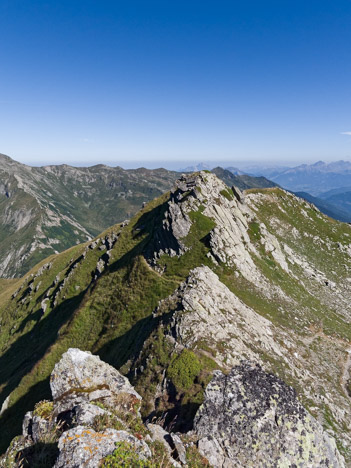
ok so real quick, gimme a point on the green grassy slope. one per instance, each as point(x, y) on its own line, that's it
point(64, 302)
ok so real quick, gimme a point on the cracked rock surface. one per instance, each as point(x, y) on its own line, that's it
point(252, 418)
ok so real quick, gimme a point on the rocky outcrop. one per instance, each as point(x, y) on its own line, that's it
point(81, 377)
point(229, 240)
point(248, 417)
point(94, 412)
point(206, 312)
point(252, 418)
point(82, 446)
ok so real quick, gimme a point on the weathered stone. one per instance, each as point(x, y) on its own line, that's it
point(83, 377)
point(86, 413)
point(83, 446)
point(250, 417)
point(159, 434)
point(40, 427)
point(172, 443)
point(26, 424)
point(179, 448)
point(238, 194)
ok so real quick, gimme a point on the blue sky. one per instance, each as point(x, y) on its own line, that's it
point(177, 82)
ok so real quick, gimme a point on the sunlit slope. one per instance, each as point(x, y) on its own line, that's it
point(45, 210)
point(267, 273)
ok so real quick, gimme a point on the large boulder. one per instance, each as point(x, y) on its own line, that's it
point(83, 377)
point(252, 418)
point(94, 412)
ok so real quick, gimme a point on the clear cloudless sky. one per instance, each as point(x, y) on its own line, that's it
point(92, 81)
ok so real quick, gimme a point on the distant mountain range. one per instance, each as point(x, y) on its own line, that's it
point(313, 178)
point(45, 210)
point(326, 185)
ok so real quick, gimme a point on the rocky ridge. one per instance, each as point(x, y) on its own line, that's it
point(209, 316)
point(45, 210)
point(259, 276)
point(247, 416)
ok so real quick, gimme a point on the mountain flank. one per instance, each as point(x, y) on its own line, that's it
point(207, 287)
point(45, 210)
point(330, 209)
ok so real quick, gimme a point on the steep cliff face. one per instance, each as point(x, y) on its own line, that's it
point(199, 280)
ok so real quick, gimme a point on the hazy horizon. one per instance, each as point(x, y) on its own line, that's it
point(177, 164)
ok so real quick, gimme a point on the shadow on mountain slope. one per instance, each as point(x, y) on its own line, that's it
point(23, 355)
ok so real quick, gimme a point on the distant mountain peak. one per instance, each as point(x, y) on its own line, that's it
point(196, 168)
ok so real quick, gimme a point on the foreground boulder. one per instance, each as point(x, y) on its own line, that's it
point(80, 376)
point(93, 420)
point(250, 417)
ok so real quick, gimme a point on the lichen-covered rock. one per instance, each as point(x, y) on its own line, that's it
point(83, 446)
point(86, 413)
point(39, 427)
point(252, 418)
point(248, 418)
point(81, 376)
point(9, 459)
point(72, 432)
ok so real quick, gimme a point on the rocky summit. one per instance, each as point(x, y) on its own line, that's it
point(223, 317)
